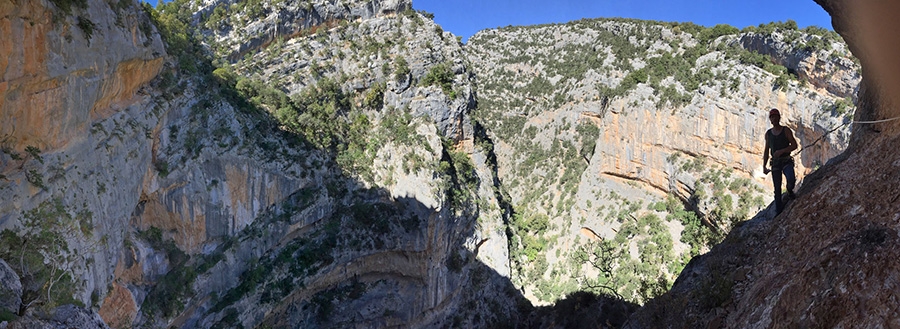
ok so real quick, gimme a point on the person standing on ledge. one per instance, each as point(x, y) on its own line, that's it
point(780, 142)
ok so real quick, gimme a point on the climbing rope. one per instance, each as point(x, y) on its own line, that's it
point(876, 121)
point(839, 127)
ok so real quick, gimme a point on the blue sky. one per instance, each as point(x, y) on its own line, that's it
point(465, 17)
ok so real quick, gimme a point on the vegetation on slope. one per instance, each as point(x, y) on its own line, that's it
point(322, 108)
point(527, 72)
point(331, 105)
point(41, 256)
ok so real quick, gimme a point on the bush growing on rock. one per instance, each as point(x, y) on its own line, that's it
point(41, 256)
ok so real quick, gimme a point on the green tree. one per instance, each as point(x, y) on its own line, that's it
point(707, 35)
point(375, 96)
point(440, 75)
point(401, 70)
point(41, 257)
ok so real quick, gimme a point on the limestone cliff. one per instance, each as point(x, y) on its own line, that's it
point(76, 135)
point(349, 163)
point(282, 221)
point(828, 260)
point(588, 107)
point(239, 28)
point(185, 201)
point(59, 73)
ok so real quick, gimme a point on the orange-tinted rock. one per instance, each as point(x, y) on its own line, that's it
point(869, 27)
point(118, 89)
point(188, 227)
point(830, 259)
point(119, 308)
point(590, 234)
point(128, 269)
point(49, 93)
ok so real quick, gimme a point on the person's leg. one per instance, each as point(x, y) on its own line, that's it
point(790, 179)
point(776, 181)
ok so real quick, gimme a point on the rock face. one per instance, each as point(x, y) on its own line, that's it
point(869, 40)
point(11, 293)
point(119, 307)
point(583, 107)
point(74, 126)
point(349, 163)
point(253, 206)
point(260, 24)
point(838, 74)
point(56, 78)
point(68, 316)
point(834, 245)
point(160, 187)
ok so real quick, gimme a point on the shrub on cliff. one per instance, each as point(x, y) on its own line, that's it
point(42, 258)
point(66, 5)
point(401, 69)
point(440, 75)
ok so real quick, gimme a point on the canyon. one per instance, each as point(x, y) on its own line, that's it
point(224, 164)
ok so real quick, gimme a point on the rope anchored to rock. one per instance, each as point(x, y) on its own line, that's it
point(842, 125)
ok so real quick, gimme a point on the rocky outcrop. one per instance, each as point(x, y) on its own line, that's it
point(11, 291)
point(271, 21)
point(68, 316)
point(865, 29)
point(56, 78)
point(837, 74)
point(119, 307)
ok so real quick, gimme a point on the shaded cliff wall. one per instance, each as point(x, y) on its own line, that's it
point(249, 201)
point(867, 27)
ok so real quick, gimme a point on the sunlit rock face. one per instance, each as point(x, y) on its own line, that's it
point(292, 19)
point(837, 75)
point(591, 109)
point(180, 196)
point(74, 122)
point(829, 260)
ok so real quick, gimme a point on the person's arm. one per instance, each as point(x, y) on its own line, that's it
point(792, 143)
point(766, 153)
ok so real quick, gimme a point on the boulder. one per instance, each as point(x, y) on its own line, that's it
point(10, 288)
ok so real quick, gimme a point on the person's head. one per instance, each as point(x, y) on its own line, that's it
point(775, 117)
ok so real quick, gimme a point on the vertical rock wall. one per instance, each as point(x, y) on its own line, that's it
point(75, 125)
point(56, 78)
point(867, 27)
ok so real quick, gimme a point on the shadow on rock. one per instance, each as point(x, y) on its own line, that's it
point(582, 309)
